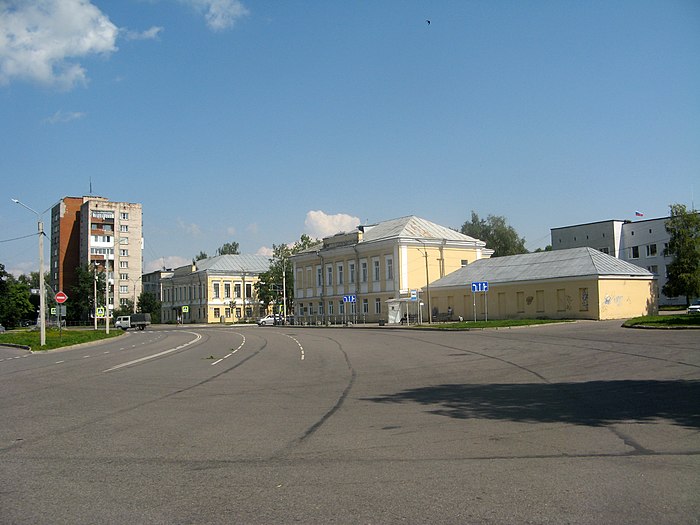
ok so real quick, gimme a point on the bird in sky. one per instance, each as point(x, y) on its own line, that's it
point(428, 21)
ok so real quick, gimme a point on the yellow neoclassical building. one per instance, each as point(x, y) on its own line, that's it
point(374, 273)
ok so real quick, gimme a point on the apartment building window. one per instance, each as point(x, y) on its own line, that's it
point(123, 264)
point(124, 216)
point(227, 292)
point(123, 289)
point(351, 271)
point(653, 269)
point(340, 274)
point(634, 252)
point(651, 250)
point(389, 269)
point(123, 227)
point(216, 291)
point(375, 273)
point(363, 271)
point(377, 306)
point(124, 276)
point(123, 253)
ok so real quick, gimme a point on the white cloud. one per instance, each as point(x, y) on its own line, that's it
point(264, 250)
point(149, 34)
point(40, 40)
point(319, 224)
point(219, 14)
point(231, 231)
point(171, 262)
point(191, 228)
point(64, 116)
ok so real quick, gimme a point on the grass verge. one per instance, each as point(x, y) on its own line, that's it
point(500, 323)
point(54, 338)
point(664, 321)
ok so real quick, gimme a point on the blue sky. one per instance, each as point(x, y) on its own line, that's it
point(256, 122)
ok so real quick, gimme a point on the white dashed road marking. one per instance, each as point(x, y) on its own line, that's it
point(165, 352)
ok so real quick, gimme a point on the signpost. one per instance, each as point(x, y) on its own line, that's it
point(481, 286)
point(61, 298)
point(352, 299)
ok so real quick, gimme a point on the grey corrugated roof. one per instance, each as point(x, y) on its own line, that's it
point(413, 226)
point(235, 263)
point(575, 262)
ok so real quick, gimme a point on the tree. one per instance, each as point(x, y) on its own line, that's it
point(126, 308)
point(496, 233)
point(547, 248)
point(14, 300)
point(269, 285)
point(148, 303)
point(683, 273)
point(202, 255)
point(81, 297)
point(229, 248)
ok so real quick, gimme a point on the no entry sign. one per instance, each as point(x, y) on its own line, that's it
point(61, 298)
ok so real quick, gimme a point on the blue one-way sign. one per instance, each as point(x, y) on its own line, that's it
point(349, 298)
point(480, 286)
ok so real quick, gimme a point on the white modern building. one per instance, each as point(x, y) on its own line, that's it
point(642, 242)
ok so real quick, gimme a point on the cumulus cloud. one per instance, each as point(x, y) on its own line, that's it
point(264, 250)
point(149, 34)
point(171, 262)
point(64, 116)
point(219, 14)
point(42, 40)
point(319, 224)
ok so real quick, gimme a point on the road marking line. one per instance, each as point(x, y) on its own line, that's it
point(230, 353)
point(59, 362)
point(165, 352)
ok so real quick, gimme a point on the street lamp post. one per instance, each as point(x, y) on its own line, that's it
point(42, 289)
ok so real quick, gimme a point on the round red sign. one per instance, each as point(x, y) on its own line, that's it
point(61, 298)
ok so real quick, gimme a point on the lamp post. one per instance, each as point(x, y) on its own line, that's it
point(427, 280)
point(42, 289)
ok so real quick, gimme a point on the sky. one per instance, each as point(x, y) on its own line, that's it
point(257, 122)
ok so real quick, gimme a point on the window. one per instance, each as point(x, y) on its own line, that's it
point(583, 299)
point(217, 312)
point(237, 291)
point(464, 262)
point(653, 269)
point(375, 274)
point(124, 216)
point(329, 271)
point(351, 271)
point(340, 274)
point(248, 291)
point(123, 227)
point(123, 253)
point(634, 252)
point(377, 306)
point(651, 250)
point(227, 312)
point(363, 271)
point(124, 276)
point(216, 292)
point(330, 307)
point(341, 307)
point(319, 277)
point(389, 269)
point(123, 264)
point(365, 306)
point(123, 289)
point(320, 308)
point(605, 250)
point(227, 292)
point(238, 312)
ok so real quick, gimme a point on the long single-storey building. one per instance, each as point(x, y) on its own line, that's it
point(579, 283)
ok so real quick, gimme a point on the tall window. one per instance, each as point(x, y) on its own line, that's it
point(216, 292)
point(651, 250)
point(377, 306)
point(124, 216)
point(363, 271)
point(635, 252)
point(375, 273)
point(123, 227)
point(340, 274)
point(351, 271)
point(389, 269)
point(248, 291)
point(365, 306)
point(237, 291)
point(329, 280)
point(227, 292)
point(319, 277)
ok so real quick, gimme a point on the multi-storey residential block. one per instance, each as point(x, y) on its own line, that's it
point(213, 290)
point(642, 243)
point(362, 274)
point(107, 235)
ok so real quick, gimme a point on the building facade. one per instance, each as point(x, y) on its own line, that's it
point(351, 276)
point(104, 234)
point(576, 283)
point(642, 243)
point(215, 290)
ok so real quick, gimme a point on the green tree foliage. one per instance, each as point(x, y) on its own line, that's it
point(269, 286)
point(547, 248)
point(229, 248)
point(202, 255)
point(81, 297)
point(496, 233)
point(127, 308)
point(14, 300)
point(148, 303)
point(683, 227)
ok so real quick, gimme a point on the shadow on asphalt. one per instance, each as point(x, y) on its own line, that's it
point(593, 403)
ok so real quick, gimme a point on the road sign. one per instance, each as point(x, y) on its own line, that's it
point(350, 298)
point(480, 286)
point(61, 298)
point(414, 295)
point(185, 309)
point(100, 312)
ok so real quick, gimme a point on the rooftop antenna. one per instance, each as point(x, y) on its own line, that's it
point(90, 186)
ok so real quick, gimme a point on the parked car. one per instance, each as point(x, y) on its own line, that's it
point(2, 329)
point(270, 320)
point(694, 308)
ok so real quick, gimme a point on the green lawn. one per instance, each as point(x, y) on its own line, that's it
point(664, 321)
point(54, 337)
point(501, 323)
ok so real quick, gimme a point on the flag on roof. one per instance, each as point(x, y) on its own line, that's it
point(638, 214)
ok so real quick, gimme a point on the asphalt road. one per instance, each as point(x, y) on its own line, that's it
point(575, 423)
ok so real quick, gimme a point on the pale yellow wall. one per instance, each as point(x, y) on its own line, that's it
point(607, 299)
point(622, 299)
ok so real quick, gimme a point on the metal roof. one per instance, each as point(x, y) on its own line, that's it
point(412, 226)
point(575, 262)
point(235, 263)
